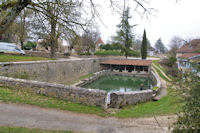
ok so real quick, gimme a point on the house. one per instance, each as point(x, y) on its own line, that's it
point(44, 46)
point(151, 51)
point(188, 53)
point(98, 43)
point(192, 47)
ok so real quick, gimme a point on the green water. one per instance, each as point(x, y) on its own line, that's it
point(120, 83)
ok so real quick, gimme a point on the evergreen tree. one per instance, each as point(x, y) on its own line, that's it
point(159, 46)
point(144, 46)
point(124, 34)
point(148, 44)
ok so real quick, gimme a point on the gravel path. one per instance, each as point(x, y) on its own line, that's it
point(35, 117)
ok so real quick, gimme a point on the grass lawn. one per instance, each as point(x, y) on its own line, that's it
point(155, 62)
point(7, 129)
point(164, 106)
point(20, 96)
point(17, 58)
point(161, 75)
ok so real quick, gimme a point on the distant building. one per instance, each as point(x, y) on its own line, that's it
point(188, 53)
point(192, 47)
point(43, 45)
point(98, 43)
point(151, 51)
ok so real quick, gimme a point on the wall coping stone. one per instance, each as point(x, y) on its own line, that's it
point(132, 92)
point(47, 84)
point(47, 61)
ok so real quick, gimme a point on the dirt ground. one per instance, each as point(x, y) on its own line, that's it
point(35, 117)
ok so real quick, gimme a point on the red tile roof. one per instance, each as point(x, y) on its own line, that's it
point(188, 55)
point(128, 62)
point(195, 42)
point(99, 41)
point(190, 48)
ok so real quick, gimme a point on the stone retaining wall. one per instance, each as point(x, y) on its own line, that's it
point(121, 99)
point(44, 54)
point(54, 71)
point(69, 93)
point(156, 81)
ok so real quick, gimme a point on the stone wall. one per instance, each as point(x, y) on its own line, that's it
point(69, 93)
point(44, 54)
point(56, 71)
point(155, 78)
point(121, 99)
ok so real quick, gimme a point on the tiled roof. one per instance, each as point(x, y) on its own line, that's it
point(195, 42)
point(190, 48)
point(152, 49)
point(99, 41)
point(188, 55)
point(128, 62)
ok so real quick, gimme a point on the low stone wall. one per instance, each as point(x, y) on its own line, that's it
point(44, 54)
point(54, 71)
point(121, 99)
point(69, 93)
point(156, 81)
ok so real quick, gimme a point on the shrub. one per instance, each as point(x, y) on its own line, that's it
point(106, 47)
point(133, 53)
point(87, 53)
point(171, 61)
point(66, 54)
point(113, 46)
point(30, 45)
point(108, 52)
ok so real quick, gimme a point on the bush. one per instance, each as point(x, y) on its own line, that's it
point(113, 46)
point(30, 45)
point(106, 47)
point(189, 117)
point(170, 66)
point(66, 54)
point(171, 61)
point(133, 53)
point(108, 52)
point(87, 53)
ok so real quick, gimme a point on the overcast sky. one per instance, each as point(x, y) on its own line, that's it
point(180, 19)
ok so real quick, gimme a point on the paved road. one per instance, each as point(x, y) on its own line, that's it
point(35, 117)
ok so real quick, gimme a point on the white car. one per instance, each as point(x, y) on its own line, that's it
point(10, 48)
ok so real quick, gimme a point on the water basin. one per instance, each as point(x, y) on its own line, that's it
point(120, 83)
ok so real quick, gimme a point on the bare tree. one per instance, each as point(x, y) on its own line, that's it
point(23, 25)
point(57, 19)
point(13, 8)
point(59, 14)
point(9, 10)
point(175, 43)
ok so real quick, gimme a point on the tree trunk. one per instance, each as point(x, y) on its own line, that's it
point(52, 37)
point(22, 44)
point(12, 14)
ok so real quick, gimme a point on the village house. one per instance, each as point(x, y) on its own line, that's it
point(98, 43)
point(188, 53)
point(151, 51)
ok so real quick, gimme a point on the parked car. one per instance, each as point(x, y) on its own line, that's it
point(10, 48)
